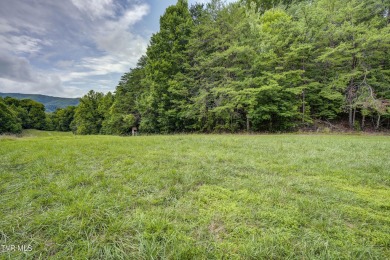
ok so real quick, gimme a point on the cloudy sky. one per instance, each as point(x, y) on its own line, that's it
point(67, 47)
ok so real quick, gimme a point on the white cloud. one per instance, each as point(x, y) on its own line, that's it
point(95, 8)
point(65, 47)
point(115, 37)
point(48, 85)
point(98, 66)
point(120, 46)
point(5, 27)
point(26, 16)
point(16, 75)
point(22, 44)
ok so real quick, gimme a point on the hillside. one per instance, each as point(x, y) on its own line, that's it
point(50, 103)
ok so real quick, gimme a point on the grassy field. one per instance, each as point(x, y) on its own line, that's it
point(195, 197)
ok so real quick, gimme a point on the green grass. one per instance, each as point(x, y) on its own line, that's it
point(196, 197)
point(37, 133)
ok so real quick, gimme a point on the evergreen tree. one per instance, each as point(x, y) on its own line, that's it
point(166, 61)
point(124, 112)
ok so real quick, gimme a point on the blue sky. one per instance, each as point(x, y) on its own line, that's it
point(65, 48)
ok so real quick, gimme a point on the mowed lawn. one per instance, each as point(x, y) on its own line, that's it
point(196, 197)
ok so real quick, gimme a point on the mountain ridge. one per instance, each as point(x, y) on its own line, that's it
point(51, 103)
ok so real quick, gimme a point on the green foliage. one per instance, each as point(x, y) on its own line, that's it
point(31, 113)
point(9, 121)
point(264, 5)
point(62, 118)
point(90, 113)
point(259, 65)
point(166, 62)
point(119, 124)
point(126, 102)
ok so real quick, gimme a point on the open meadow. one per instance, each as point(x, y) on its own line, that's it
point(195, 196)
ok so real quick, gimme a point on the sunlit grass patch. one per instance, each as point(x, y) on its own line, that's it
point(38, 133)
point(196, 196)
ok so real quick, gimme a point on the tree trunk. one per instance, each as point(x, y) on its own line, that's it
point(378, 122)
point(247, 124)
point(354, 117)
point(363, 120)
point(303, 106)
point(350, 118)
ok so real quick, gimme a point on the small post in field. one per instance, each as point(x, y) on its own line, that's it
point(134, 131)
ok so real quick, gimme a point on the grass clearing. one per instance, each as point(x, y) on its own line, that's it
point(38, 133)
point(196, 196)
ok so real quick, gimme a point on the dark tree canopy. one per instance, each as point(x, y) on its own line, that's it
point(26, 112)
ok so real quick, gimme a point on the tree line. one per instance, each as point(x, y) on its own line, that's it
point(253, 65)
point(264, 65)
point(16, 115)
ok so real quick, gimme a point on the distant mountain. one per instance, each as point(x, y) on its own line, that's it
point(51, 103)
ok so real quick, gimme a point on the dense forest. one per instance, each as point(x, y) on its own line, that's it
point(254, 65)
point(16, 115)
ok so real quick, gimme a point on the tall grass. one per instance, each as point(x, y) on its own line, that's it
point(196, 197)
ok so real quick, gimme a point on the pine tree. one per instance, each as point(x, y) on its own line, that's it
point(166, 60)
